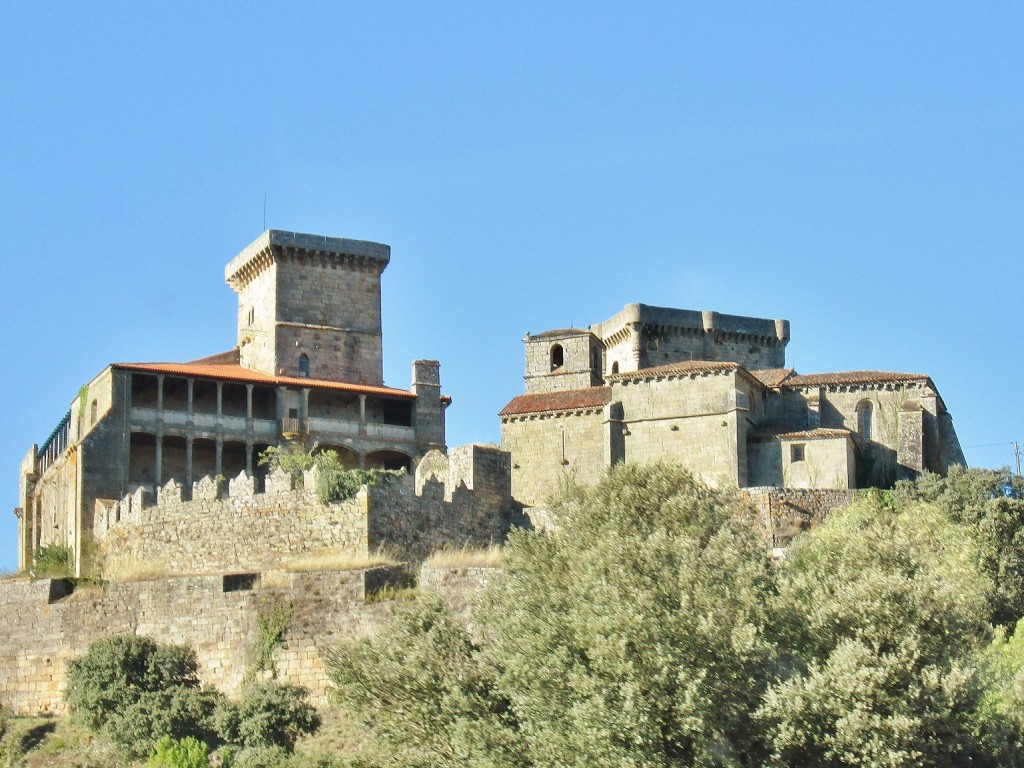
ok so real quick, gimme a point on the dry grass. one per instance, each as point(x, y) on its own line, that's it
point(390, 594)
point(335, 560)
point(276, 579)
point(467, 557)
point(87, 589)
point(135, 570)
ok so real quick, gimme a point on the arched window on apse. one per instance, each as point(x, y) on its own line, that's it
point(304, 365)
point(864, 420)
point(557, 357)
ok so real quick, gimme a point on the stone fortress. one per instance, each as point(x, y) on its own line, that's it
point(713, 392)
point(158, 463)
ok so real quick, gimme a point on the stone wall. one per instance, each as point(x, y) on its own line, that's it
point(692, 421)
point(241, 531)
point(455, 500)
point(551, 447)
point(45, 626)
point(785, 512)
point(458, 587)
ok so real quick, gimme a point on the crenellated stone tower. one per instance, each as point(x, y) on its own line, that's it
point(309, 306)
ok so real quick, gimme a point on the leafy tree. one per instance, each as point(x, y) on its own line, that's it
point(1001, 715)
point(990, 503)
point(420, 689)
point(886, 612)
point(641, 633)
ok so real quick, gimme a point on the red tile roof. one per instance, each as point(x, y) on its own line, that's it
point(561, 332)
point(672, 369)
point(772, 377)
point(569, 400)
point(851, 377)
point(232, 372)
point(231, 356)
point(820, 433)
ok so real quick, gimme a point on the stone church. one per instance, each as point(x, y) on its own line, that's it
point(712, 392)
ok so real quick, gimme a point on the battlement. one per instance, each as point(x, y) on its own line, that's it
point(278, 244)
point(460, 499)
point(701, 321)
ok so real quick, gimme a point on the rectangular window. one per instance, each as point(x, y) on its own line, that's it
point(796, 452)
point(240, 582)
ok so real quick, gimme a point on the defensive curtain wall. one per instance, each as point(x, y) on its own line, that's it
point(455, 500)
point(47, 624)
point(219, 614)
point(240, 544)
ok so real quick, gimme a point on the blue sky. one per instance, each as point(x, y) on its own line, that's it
point(855, 168)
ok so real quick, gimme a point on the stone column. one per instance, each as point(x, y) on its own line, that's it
point(187, 489)
point(158, 473)
point(248, 429)
point(304, 412)
point(189, 437)
point(218, 450)
point(362, 419)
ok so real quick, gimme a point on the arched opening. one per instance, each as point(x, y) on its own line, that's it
point(142, 460)
point(349, 458)
point(174, 459)
point(232, 458)
point(388, 460)
point(615, 367)
point(557, 357)
point(864, 420)
point(204, 458)
point(93, 412)
point(304, 365)
point(260, 471)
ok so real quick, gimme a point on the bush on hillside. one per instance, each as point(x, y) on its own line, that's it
point(134, 691)
point(268, 714)
point(989, 504)
point(183, 753)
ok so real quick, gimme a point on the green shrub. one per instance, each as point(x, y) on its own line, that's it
point(54, 561)
point(134, 691)
point(172, 753)
point(272, 619)
point(3, 721)
point(256, 757)
point(291, 458)
point(268, 714)
point(335, 483)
